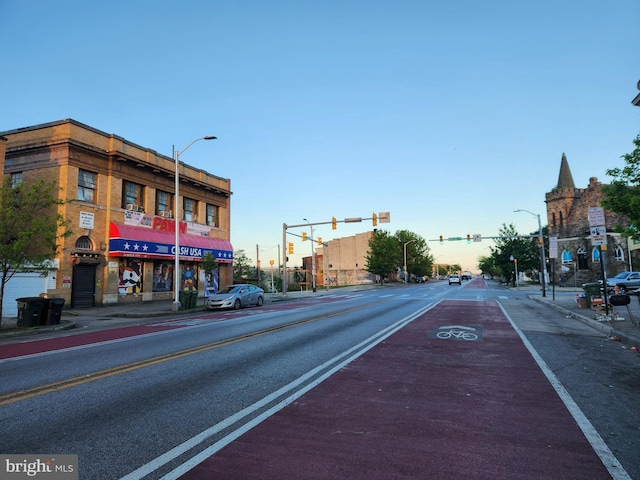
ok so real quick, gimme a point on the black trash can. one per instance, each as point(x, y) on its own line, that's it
point(32, 311)
point(55, 311)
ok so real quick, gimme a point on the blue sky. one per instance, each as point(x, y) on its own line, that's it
point(449, 114)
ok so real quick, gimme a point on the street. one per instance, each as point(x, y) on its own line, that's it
point(157, 399)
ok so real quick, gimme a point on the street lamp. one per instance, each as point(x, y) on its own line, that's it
point(176, 268)
point(543, 260)
point(405, 259)
point(313, 258)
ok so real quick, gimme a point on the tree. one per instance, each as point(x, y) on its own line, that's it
point(524, 250)
point(623, 194)
point(242, 269)
point(384, 252)
point(419, 259)
point(30, 227)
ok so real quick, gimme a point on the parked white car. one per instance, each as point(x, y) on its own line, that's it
point(455, 278)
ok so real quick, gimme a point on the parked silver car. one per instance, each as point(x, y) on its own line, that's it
point(236, 296)
point(625, 281)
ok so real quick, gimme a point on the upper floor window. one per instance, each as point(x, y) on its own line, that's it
point(87, 186)
point(213, 215)
point(190, 211)
point(164, 203)
point(132, 195)
point(16, 179)
point(566, 256)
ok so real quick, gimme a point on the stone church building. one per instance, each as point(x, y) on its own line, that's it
point(579, 261)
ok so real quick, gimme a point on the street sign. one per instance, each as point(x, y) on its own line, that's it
point(384, 217)
point(553, 247)
point(598, 235)
point(596, 217)
point(477, 237)
point(451, 239)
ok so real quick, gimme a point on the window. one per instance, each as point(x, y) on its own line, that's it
point(16, 179)
point(164, 203)
point(189, 207)
point(132, 194)
point(619, 254)
point(595, 255)
point(212, 215)
point(83, 243)
point(566, 256)
point(86, 186)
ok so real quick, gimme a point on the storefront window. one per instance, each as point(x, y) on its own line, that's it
point(189, 278)
point(162, 276)
point(130, 277)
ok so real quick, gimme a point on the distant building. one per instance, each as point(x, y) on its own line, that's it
point(120, 198)
point(342, 262)
point(567, 216)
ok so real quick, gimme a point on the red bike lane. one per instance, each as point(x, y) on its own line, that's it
point(453, 394)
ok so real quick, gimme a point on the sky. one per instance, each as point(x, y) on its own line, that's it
point(449, 114)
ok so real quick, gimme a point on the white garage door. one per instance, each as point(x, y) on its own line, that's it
point(21, 285)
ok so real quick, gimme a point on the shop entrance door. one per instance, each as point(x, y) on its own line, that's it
point(83, 286)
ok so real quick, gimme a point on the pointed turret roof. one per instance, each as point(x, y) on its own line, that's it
point(565, 179)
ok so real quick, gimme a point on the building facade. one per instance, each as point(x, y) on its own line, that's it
point(119, 198)
point(579, 260)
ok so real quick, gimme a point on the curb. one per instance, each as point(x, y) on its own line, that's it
point(600, 326)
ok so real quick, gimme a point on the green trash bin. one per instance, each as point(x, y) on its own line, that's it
point(194, 298)
point(183, 298)
point(591, 290)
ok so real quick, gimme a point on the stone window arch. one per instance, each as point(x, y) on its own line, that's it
point(84, 243)
point(566, 256)
point(619, 254)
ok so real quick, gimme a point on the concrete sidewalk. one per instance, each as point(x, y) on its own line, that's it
point(622, 322)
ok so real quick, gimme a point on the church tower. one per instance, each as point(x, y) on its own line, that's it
point(560, 201)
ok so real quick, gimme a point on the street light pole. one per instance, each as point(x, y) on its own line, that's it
point(176, 267)
point(405, 260)
point(543, 259)
point(313, 258)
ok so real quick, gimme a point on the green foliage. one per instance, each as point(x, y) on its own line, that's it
point(386, 253)
point(209, 264)
point(525, 250)
point(242, 269)
point(30, 227)
point(623, 194)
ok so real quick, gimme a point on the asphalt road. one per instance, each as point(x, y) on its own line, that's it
point(140, 401)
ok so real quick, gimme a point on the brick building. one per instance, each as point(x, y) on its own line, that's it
point(567, 216)
point(120, 198)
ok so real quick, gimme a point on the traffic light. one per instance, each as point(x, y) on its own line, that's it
point(468, 238)
point(540, 241)
point(319, 240)
point(304, 236)
point(375, 220)
point(333, 223)
point(290, 248)
point(441, 239)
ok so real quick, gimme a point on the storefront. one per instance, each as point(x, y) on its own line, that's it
point(145, 252)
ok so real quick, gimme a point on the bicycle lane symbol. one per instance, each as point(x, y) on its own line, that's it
point(457, 332)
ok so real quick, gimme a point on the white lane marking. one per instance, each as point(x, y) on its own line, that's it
point(607, 457)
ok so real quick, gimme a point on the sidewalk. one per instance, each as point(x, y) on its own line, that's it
point(563, 299)
point(71, 317)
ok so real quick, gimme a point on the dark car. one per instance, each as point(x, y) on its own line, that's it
point(236, 296)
